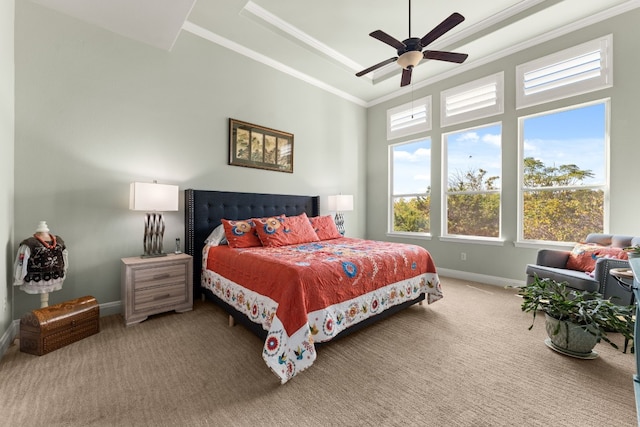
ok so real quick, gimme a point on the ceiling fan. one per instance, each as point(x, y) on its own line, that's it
point(410, 50)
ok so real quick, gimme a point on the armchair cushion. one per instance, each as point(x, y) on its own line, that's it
point(575, 279)
point(584, 255)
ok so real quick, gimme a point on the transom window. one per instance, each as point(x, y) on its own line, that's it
point(580, 69)
point(409, 119)
point(474, 100)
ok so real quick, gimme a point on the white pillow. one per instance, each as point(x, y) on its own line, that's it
point(217, 237)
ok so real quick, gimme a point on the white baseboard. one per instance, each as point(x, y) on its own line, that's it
point(109, 308)
point(480, 278)
point(7, 338)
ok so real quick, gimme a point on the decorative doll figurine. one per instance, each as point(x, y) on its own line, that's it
point(41, 264)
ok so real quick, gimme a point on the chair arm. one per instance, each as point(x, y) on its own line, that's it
point(552, 258)
point(608, 285)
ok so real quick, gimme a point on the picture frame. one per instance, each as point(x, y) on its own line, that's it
point(260, 147)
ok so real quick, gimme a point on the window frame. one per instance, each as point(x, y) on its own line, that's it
point(605, 187)
point(446, 236)
point(391, 196)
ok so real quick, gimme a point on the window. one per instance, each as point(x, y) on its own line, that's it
point(410, 187)
point(477, 99)
point(563, 173)
point(580, 69)
point(473, 168)
point(409, 119)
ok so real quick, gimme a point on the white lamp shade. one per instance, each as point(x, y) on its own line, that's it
point(153, 197)
point(340, 203)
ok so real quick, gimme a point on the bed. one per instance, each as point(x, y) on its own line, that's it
point(297, 295)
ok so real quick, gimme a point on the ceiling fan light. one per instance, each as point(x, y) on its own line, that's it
point(410, 59)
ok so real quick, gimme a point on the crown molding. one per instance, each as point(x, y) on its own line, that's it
point(238, 48)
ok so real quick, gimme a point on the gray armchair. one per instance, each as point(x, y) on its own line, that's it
point(551, 263)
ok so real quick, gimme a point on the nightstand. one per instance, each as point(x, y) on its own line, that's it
point(156, 285)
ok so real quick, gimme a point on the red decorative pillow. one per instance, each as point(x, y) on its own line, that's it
point(241, 233)
point(325, 227)
point(290, 230)
point(584, 255)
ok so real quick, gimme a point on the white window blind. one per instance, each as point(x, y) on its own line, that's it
point(580, 69)
point(477, 99)
point(409, 118)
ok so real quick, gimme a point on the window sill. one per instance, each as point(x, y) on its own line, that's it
point(409, 235)
point(539, 244)
point(473, 240)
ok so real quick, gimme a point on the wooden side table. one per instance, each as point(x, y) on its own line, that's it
point(156, 285)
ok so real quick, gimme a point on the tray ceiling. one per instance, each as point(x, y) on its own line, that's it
point(326, 42)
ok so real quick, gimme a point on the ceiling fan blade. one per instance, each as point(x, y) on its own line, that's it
point(375, 67)
point(386, 38)
point(458, 58)
point(446, 25)
point(406, 76)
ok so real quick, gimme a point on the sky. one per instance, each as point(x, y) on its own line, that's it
point(569, 137)
point(566, 137)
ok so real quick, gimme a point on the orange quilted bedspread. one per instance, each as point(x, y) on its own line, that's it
point(308, 277)
point(309, 292)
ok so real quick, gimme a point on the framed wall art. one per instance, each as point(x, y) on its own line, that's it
point(259, 147)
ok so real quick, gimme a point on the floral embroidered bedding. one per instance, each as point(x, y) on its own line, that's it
point(309, 292)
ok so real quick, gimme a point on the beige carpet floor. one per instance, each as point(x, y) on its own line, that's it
point(467, 360)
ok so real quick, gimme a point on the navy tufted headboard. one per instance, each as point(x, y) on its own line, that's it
point(204, 209)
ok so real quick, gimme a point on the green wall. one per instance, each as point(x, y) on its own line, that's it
point(505, 264)
point(7, 114)
point(96, 111)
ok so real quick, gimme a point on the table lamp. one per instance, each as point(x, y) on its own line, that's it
point(338, 204)
point(154, 199)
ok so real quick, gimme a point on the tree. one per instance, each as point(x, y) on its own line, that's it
point(555, 208)
point(412, 214)
point(555, 212)
point(473, 206)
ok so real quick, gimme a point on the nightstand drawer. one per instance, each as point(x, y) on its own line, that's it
point(159, 296)
point(159, 275)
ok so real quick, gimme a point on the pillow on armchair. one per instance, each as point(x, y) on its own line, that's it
point(584, 255)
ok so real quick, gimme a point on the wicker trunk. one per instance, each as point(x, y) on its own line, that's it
point(50, 328)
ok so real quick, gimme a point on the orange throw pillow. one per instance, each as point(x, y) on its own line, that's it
point(584, 255)
point(241, 233)
point(325, 227)
point(290, 230)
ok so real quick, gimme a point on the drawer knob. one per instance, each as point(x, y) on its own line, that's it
point(157, 297)
point(162, 276)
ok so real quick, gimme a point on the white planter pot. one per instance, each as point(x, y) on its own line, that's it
point(570, 339)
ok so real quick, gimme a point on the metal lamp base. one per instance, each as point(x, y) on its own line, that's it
point(153, 235)
point(339, 220)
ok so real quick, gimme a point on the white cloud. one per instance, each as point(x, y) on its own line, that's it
point(493, 139)
point(468, 136)
point(417, 156)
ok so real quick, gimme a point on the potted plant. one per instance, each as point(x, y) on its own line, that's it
point(575, 321)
